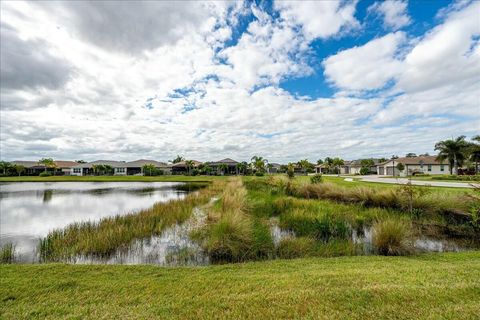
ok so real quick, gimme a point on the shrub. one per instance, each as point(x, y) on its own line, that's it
point(316, 179)
point(290, 173)
point(259, 174)
point(391, 237)
point(45, 174)
point(364, 171)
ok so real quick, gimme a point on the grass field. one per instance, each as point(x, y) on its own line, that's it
point(435, 286)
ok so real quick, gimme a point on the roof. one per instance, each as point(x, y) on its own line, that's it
point(31, 164)
point(226, 161)
point(142, 162)
point(417, 160)
point(182, 164)
point(112, 163)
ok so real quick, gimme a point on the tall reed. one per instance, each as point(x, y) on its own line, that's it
point(7, 253)
point(104, 237)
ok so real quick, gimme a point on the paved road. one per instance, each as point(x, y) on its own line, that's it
point(417, 182)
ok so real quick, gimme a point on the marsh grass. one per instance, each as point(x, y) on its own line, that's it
point(392, 237)
point(7, 253)
point(104, 237)
point(232, 234)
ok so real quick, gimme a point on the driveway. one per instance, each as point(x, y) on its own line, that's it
point(432, 183)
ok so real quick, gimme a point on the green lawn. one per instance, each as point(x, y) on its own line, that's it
point(434, 286)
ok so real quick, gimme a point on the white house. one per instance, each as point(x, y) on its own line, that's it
point(413, 165)
point(120, 168)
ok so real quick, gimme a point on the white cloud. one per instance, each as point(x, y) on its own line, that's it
point(394, 13)
point(210, 101)
point(318, 19)
point(366, 67)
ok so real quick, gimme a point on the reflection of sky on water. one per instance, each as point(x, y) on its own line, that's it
point(31, 210)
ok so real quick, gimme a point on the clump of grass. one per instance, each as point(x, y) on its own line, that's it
point(320, 226)
point(7, 253)
point(231, 234)
point(391, 237)
point(104, 237)
point(290, 248)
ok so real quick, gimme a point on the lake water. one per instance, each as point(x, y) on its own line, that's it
point(29, 210)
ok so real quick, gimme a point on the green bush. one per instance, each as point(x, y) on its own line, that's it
point(259, 174)
point(316, 178)
point(45, 174)
point(364, 171)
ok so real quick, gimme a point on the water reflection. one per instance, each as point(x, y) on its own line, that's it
point(30, 210)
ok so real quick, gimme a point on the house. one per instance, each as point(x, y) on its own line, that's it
point(354, 167)
point(274, 167)
point(182, 168)
point(413, 165)
point(136, 167)
point(89, 168)
point(230, 166)
point(34, 168)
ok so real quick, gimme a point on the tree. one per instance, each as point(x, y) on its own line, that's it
point(400, 166)
point(107, 169)
point(290, 170)
point(189, 164)
point(80, 161)
point(258, 163)
point(319, 162)
point(178, 159)
point(48, 163)
point(242, 167)
point(304, 165)
point(411, 155)
point(4, 166)
point(223, 168)
point(148, 169)
point(452, 150)
point(337, 162)
point(19, 169)
point(474, 152)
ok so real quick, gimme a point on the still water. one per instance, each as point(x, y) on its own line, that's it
point(28, 211)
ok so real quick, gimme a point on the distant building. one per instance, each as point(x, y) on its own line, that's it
point(413, 165)
point(182, 168)
point(34, 168)
point(120, 168)
point(231, 166)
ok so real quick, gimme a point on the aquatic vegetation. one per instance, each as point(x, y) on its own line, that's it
point(391, 237)
point(104, 237)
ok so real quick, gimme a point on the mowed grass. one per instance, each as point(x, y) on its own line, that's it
point(435, 286)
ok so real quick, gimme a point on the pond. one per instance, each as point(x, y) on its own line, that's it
point(30, 210)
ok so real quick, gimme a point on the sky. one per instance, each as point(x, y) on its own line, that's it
point(209, 80)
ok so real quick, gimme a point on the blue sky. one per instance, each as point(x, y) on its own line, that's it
point(209, 80)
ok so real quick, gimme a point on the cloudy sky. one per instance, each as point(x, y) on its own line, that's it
point(209, 80)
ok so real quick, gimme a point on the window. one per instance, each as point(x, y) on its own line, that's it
point(442, 167)
point(429, 167)
point(120, 170)
point(77, 170)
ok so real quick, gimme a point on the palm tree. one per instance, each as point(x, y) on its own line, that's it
point(259, 163)
point(223, 168)
point(48, 163)
point(337, 162)
point(452, 150)
point(189, 164)
point(95, 168)
point(475, 152)
point(304, 164)
point(107, 169)
point(4, 166)
point(242, 167)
